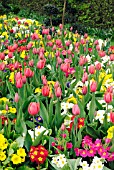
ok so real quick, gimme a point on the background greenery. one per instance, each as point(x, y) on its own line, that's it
point(93, 16)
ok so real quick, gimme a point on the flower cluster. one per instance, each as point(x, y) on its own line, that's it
point(38, 154)
point(90, 149)
point(59, 160)
point(97, 164)
point(19, 157)
point(3, 147)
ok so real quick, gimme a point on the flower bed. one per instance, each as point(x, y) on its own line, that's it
point(56, 98)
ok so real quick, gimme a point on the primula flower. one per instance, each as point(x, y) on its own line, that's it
point(16, 159)
point(38, 154)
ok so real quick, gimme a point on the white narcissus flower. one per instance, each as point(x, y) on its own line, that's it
point(38, 130)
point(48, 66)
point(84, 164)
point(59, 160)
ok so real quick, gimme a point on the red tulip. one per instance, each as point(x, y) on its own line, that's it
point(34, 108)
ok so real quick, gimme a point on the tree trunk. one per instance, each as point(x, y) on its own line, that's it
point(64, 8)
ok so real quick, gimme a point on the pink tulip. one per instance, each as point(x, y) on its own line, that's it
point(16, 65)
point(98, 66)
point(28, 72)
point(45, 90)
point(63, 127)
point(41, 64)
point(84, 90)
point(44, 80)
point(102, 53)
point(61, 26)
point(16, 98)
point(98, 48)
point(10, 54)
point(67, 43)
point(76, 109)
point(65, 67)
point(49, 37)
point(111, 57)
point(2, 66)
point(34, 108)
point(24, 79)
point(31, 63)
point(57, 54)
point(82, 60)
point(18, 75)
point(85, 77)
point(29, 46)
point(58, 42)
point(58, 92)
point(19, 83)
point(108, 97)
point(96, 42)
point(93, 86)
point(2, 56)
point(112, 117)
point(91, 69)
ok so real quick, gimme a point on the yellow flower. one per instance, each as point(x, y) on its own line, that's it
point(16, 159)
point(21, 152)
point(4, 99)
point(51, 83)
point(37, 90)
point(11, 78)
point(12, 110)
point(3, 142)
point(2, 156)
point(4, 112)
point(5, 35)
point(110, 132)
point(72, 100)
point(23, 54)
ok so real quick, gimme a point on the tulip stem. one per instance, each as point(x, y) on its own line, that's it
point(34, 126)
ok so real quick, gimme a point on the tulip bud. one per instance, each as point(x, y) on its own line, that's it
point(84, 90)
point(93, 86)
point(19, 83)
point(76, 109)
point(63, 127)
point(34, 108)
point(16, 98)
point(45, 90)
point(112, 117)
point(91, 69)
point(2, 56)
point(58, 92)
point(2, 66)
point(40, 64)
point(108, 97)
point(10, 54)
